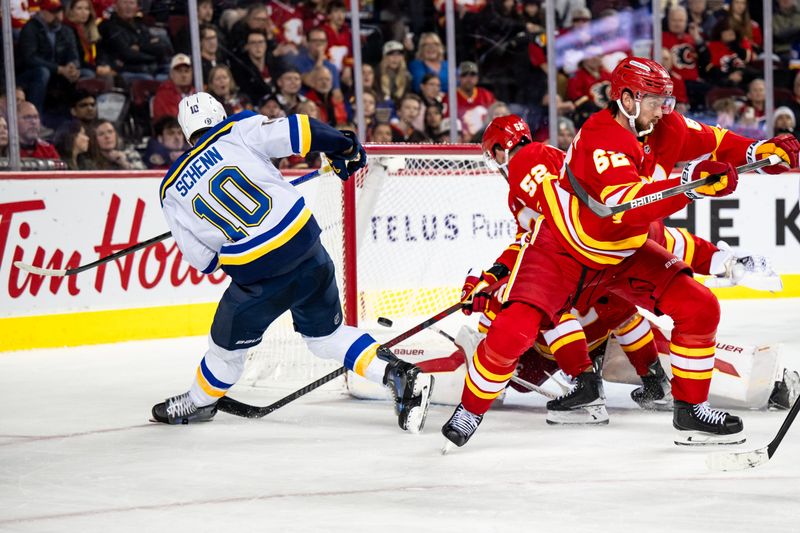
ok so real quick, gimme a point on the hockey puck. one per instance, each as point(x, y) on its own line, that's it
point(383, 321)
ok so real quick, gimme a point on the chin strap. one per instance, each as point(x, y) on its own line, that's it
point(632, 118)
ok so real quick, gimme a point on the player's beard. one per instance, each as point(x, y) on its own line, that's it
point(644, 126)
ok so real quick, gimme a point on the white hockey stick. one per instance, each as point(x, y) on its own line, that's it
point(727, 461)
point(61, 272)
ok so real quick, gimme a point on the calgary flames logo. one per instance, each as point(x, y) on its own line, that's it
point(685, 56)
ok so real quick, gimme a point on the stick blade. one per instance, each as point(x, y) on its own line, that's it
point(40, 271)
point(732, 461)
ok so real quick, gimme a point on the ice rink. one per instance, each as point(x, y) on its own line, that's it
point(77, 453)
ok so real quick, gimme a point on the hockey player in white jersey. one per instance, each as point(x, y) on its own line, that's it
point(228, 207)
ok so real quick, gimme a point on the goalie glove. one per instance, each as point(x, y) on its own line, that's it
point(730, 268)
point(785, 146)
point(702, 168)
point(474, 295)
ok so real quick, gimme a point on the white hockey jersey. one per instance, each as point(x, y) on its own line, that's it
point(228, 206)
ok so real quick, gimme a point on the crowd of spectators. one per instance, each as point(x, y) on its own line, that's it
point(99, 81)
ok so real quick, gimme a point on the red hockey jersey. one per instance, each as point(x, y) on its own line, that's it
point(614, 167)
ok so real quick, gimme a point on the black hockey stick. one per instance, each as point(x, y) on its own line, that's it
point(135, 248)
point(603, 211)
point(226, 404)
point(752, 459)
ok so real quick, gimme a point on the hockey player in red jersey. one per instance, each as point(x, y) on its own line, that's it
point(604, 313)
point(622, 153)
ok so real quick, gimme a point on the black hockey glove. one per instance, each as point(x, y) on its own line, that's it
point(344, 164)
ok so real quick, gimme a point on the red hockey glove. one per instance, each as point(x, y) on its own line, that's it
point(785, 146)
point(474, 295)
point(699, 169)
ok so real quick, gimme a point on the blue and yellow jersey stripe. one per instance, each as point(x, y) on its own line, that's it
point(361, 353)
point(245, 251)
point(300, 134)
point(210, 384)
point(211, 136)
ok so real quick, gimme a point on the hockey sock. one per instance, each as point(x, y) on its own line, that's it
point(695, 312)
point(218, 371)
point(491, 367)
point(636, 340)
point(352, 347)
point(567, 343)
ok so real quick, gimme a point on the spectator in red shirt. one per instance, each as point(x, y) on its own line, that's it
point(29, 126)
point(170, 92)
point(731, 55)
point(340, 41)
point(331, 106)
point(591, 81)
point(473, 101)
point(678, 85)
point(686, 51)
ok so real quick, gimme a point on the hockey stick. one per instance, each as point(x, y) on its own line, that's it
point(516, 379)
point(228, 405)
point(135, 248)
point(603, 211)
point(727, 461)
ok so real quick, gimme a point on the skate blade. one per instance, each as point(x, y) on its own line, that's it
point(415, 420)
point(731, 461)
point(589, 415)
point(699, 438)
point(448, 447)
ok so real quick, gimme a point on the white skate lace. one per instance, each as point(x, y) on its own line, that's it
point(464, 421)
point(706, 414)
point(180, 406)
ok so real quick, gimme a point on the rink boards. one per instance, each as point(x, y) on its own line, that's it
point(63, 220)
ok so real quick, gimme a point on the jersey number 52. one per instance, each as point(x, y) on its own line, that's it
point(246, 204)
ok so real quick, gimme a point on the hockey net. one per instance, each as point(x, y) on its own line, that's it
point(421, 217)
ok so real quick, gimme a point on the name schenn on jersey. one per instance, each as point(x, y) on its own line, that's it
point(196, 169)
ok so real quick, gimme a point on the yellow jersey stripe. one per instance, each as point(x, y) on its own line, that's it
point(270, 245)
point(365, 359)
point(305, 134)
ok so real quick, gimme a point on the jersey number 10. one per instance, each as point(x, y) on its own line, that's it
point(246, 215)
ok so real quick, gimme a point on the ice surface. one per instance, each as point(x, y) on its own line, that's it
point(77, 453)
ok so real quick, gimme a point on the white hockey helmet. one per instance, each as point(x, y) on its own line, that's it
point(199, 111)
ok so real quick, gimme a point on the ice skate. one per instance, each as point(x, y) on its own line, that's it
point(655, 394)
point(786, 391)
point(412, 390)
point(461, 426)
point(584, 404)
point(181, 410)
point(698, 424)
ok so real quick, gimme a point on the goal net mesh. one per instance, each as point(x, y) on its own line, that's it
point(424, 216)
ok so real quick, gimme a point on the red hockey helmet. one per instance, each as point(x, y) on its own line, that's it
point(641, 76)
point(507, 131)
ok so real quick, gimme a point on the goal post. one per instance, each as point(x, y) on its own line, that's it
point(402, 233)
